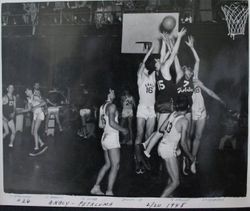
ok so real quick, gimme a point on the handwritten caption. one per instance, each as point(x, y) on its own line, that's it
point(98, 202)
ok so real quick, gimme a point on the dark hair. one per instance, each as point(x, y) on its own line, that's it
point(150, 63)
point(181, 103)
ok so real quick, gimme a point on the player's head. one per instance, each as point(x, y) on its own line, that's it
point(111, 94)
point(152, 64)
point(187, 71)
point(36, 85)
point(28, 91)
point(181, 104)
point(10, 88)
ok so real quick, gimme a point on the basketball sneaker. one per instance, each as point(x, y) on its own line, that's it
point(96, 190)
point(109, 193)
point(38, 151)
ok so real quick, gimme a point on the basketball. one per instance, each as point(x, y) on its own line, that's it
point(168, 24)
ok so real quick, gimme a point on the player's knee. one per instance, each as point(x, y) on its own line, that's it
point(115, 165)
point(198, 136)
point(176, 183)
point(107, 166)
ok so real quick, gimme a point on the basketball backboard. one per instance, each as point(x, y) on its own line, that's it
point(140, 29)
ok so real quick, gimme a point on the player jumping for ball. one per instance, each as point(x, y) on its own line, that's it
point(145, 110)
point(188, 84)
point(166, 89)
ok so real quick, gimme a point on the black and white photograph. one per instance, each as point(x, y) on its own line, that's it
point(127, 100)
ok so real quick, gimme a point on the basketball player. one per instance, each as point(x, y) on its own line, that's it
point(108, 119)
point(166, 90)
point(9, 110)
point(36, 90)
point(145, 116)
point(35, 104)
point(174, 129)
point(185, 87)
point(198, 107)
point(128, 104)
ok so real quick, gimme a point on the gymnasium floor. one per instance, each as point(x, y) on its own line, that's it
point(70, 166)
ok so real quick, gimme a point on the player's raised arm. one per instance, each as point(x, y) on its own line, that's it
point(178, 69)
point(209, 91)
point(141, 69)
point(165, 67)
point(164, 53)
point(190, 44)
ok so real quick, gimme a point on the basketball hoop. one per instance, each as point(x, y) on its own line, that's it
point(146, 45)
point(236, 15)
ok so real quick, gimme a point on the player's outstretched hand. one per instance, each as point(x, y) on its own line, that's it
point(190, 41)
point(182, 32)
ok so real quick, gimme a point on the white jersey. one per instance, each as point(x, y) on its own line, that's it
point(128, 102)
point(34, 101)
point(198, 101)
point(172, 136)
point(147, 90)
point(105, 120)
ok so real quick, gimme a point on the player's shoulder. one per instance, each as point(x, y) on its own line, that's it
point(5, 99)
point(111, 107)
point(183, 121)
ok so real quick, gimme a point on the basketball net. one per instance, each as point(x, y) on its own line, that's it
point(236, 16)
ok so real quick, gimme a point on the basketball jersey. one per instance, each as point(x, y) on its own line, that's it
point(34, 101)
point(105, 120)
point(171, 135)
point(198, 101)
point(36, 92)
point(185, 87)
point(147, 91)
point(127, 102)
point(8, 108)
point(166, 89)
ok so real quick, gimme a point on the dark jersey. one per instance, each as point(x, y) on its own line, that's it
point(8, 108)
point(166, 89)
point(185, 87)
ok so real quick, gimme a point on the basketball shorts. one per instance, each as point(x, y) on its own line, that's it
point(145, 112)
point(167, 150)
point(110, 140)
point(53, 109)
point(84, 112)
point(164, 107)
point(38, 114)
point(198, 115)
point(127, 113)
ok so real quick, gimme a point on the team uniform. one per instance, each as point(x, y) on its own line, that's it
point(8, 107)
point(38, 112)
point(127, 107)
point(110, 137)
point(165, 94)
point(186, 88)
point(146, 105)
point(198, 107)
point(168, 146)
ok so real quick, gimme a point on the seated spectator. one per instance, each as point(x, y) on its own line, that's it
point(86, 104)
point(54, 100)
